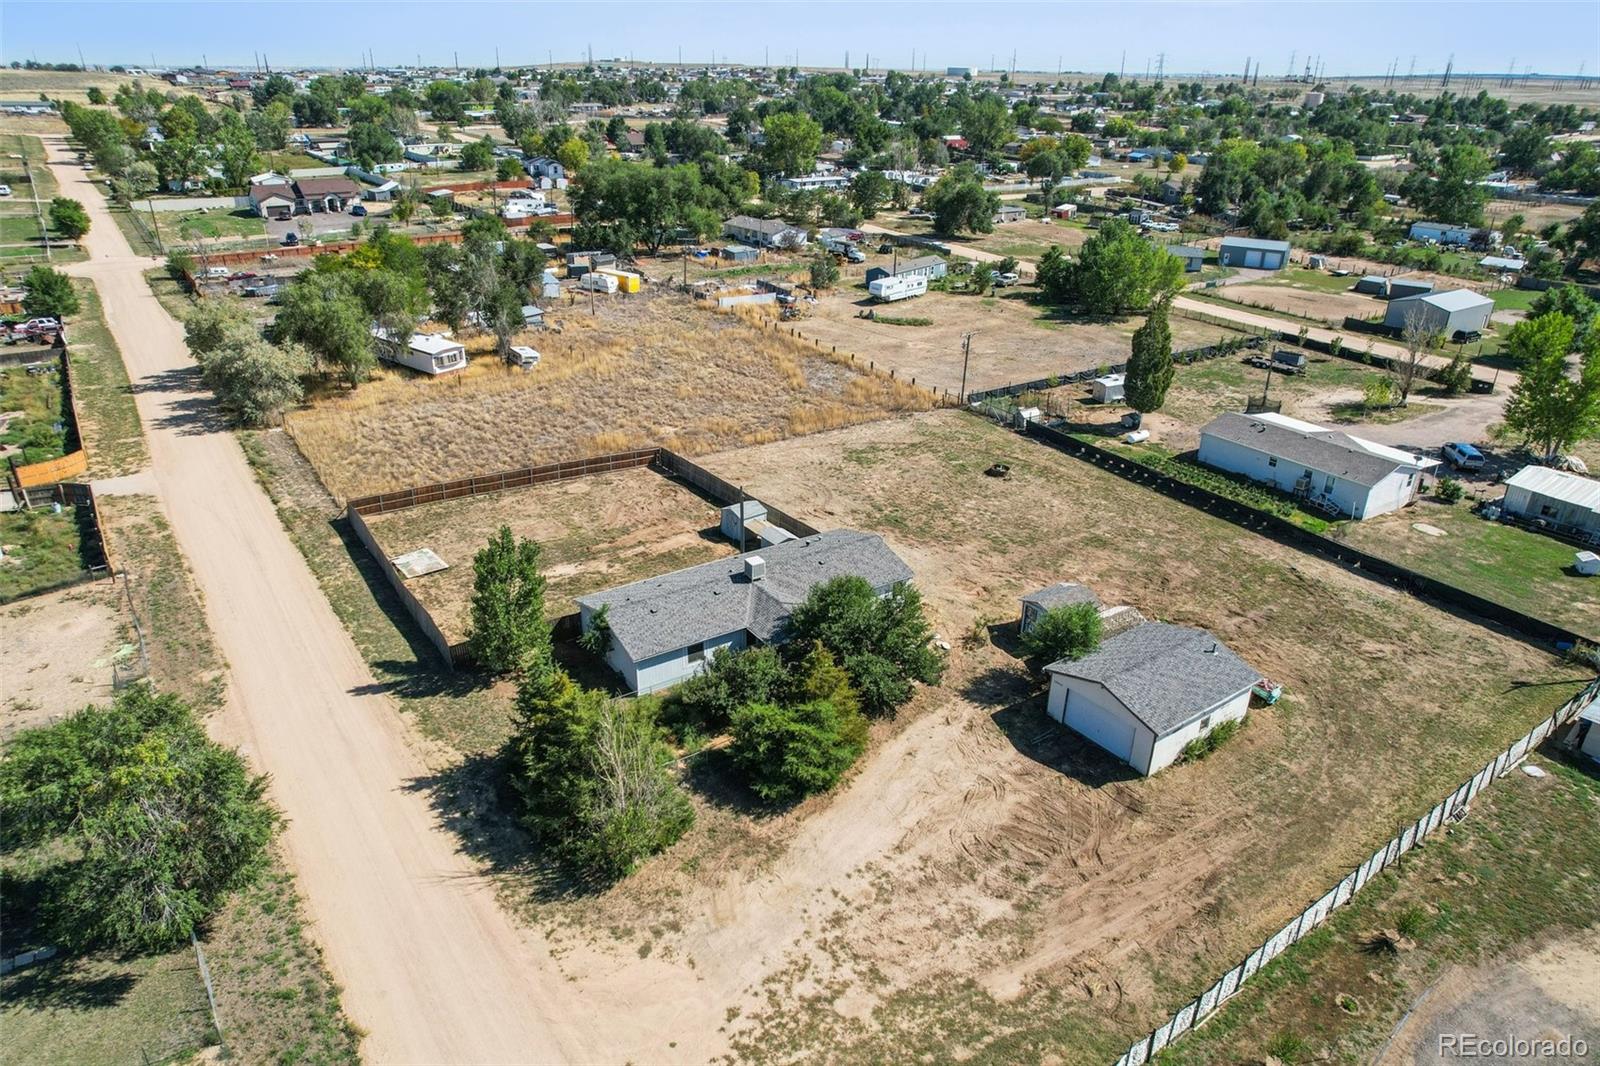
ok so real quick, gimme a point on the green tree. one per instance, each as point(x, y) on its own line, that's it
point(254, 379)
point(573, 155)
point(209, 324)
point(594, 775)
point(1119, 271)
point(788, 753)
point(1569, 300)
point(824, 270)
point(869, 190)
point(97, 96)
point(235, 152)
point(161, 822)
point(883, 642)
point(507, 626)
point(791, 143)
point(959, 202)
point(987, 125)
point(321, 311)
point(1070, 631)
point(479, 155)
point(1150, 366)
point(371, 144)
point(49, 293)
point(730, 679)
point(1551, 408)
point(507, 169)
point(982, 278)
point(68, 218)
point(1448, 188)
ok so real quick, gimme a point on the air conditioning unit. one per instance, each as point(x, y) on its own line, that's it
point(755, 568)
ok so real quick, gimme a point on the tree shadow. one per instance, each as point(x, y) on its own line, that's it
point(713, 776)
point(61, 984)
point(1050, 744)
point(1001, 686)
point(192, 409)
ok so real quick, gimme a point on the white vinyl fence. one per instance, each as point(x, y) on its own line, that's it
point(1452, 806)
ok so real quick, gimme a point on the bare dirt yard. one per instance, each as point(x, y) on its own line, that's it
point(1013, 339)
point(59, 649)
point(644, 371)
point(593, 532)
point(1304, 301)
point(988, 884)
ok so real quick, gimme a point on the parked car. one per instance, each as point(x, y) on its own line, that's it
point(359, 210)
point(1008, 278)
point(38, 325)
point(241, 275)
point(5, 190)
point(291, 239)
point(924, 215)
point(1462, 456)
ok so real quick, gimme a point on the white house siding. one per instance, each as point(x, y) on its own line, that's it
point(1522, 501)
point(1088, 709)
point(1355, 499)
point(1166, 749)
point(669, 668)
point(1591, 742)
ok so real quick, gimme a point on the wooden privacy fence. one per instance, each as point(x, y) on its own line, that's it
point(507, 479)
point(73, 463)
point(1286, 532)
point(725, 492)
point(1452, 807)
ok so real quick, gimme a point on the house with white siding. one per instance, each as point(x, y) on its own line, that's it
point(665, 629)
point(1339, 470)
point(1148, 691)
point(1568, 502)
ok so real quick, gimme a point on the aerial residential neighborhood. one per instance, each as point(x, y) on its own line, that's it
point(1009, 533)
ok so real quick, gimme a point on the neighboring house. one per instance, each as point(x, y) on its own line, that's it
point(1357, 477)
point(1193, 258)
point(1502, 262)
point(764, 232)
point(924, 266)
point(1567, 501)
point(1253, 254)
point(1063, 210)
point(429, 353)
point(1150, 690)
point(1444, 313)
point(275, 201)
point(741, 253)
point(814, 182)
point(545, 167)
point(1441, 233)
point(1171, 192)
point(664, 629)
point(1010, 213)
point(1061, 594)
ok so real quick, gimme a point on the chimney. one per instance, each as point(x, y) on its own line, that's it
point(755, 568)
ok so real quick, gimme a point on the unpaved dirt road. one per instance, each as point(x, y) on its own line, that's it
point(431, 968)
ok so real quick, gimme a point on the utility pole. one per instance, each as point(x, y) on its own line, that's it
point(966, 355)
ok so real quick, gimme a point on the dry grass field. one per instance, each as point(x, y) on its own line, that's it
point(647, 370)
point(593, 532)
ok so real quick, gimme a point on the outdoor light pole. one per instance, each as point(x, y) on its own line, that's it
point(966, 355)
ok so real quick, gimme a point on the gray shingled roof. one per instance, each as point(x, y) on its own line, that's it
point(1165, 675)
point(672, 611)
point(1062, 593)
point(1328, 452)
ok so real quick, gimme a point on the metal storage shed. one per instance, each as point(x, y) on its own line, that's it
point(1569, 502)
point(1446, 313)
point(1253, 254)
point(1402, 287)
point(1193, 258)
point(1373, 285)
point(1108, 389)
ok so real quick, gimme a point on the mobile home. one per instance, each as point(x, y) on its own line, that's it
point(899, 287)
point(428, 353)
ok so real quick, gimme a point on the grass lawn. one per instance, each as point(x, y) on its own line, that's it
point(41, 429)
point(15, 145)
point(136, 230)
point(1513, 299)
point(110, 423)
point(283, 162)
point(1348, 413)
point(1514, 875)
point(190, 224)
point(19, 230)
point(1526, 571)
point(41, 550)
point(1201, 391)
point(1320, 280)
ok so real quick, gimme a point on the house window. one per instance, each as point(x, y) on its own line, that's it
point(1546, 511)
point(1205, 723)
point(1272, 460)
point(1327, 486)
point(697, 652)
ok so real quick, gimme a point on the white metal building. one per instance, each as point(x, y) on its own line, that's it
point(1445, 313)
point(1358, 477)
point(1568, 501)
point(1147, 692)
point(1108, 389)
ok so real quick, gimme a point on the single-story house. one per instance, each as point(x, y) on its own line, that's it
point(741, 253)
point(1061, 594)
point(663, 629)
point(1445, 313)
point(923, 266)
point(1569, 502)
point(1441, 233)
point(1108, 389)
point(327, 194)
point(1171, 192)
point(815, 182)
point(1063, 210)
point(1253, 254)
point(532, 315)
point(1150, 690)
point(273, 201)
point(544, 167)
point(1193, 258)
point(429, 353)
point(764, 232)
point(1402, 287)
point(1010, 213)
point(1358, 477)
point(1502, 262)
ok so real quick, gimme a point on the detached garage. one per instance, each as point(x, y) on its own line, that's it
point(1253, 254)
point(1147, 692)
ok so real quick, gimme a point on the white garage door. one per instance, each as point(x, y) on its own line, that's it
point(1252, 258)
point(1109, 729)
point(1272, 260)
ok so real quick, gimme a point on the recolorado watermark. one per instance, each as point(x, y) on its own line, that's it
point(1478, 1046)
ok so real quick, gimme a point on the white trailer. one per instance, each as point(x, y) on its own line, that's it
point(598, 282)
point(430, 353)
point(891, 289)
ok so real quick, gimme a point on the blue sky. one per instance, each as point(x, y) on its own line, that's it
point(1196, 35)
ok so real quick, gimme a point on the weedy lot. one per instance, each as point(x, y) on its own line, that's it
point(988, 884)
point(593, 532)
point(644, 371)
